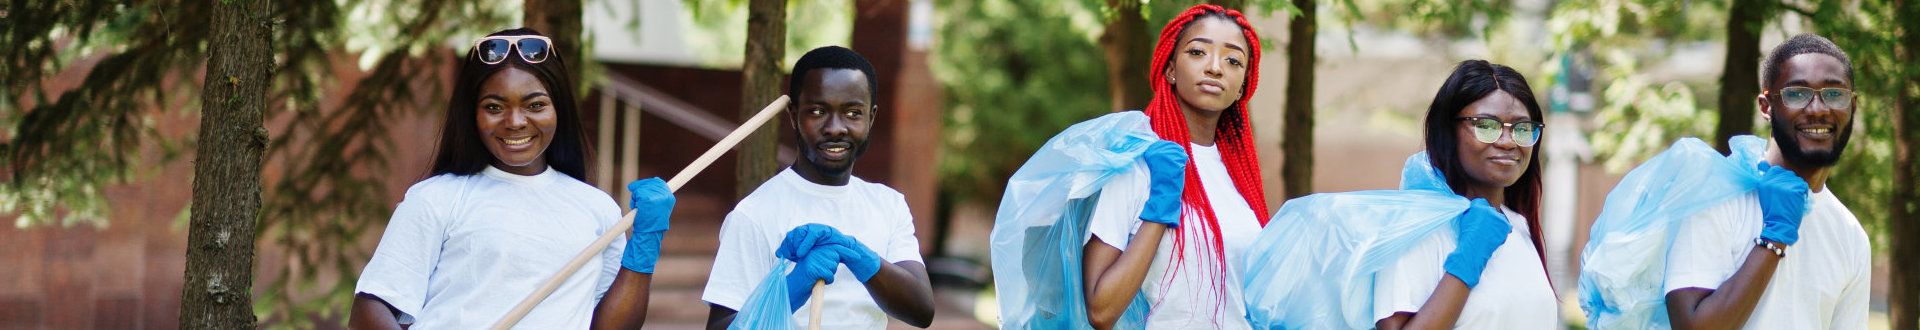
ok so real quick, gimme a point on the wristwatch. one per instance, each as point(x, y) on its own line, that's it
point(1778, 250)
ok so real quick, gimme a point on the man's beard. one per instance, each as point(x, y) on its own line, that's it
point(1784, 134)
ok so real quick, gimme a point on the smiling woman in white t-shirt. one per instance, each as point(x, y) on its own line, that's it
point(1481, 131)
point(506, 205)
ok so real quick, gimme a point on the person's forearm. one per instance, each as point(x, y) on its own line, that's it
point(902, 290)
point(1113, 277)
point(1440, 311)
point(369, 313)
point(625, 304)
point(1729, 306)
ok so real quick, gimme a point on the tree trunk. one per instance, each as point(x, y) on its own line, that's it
point(560, 21)
point(1740, 76)
point(759, 85)
point(226, 169)
point(1296, 142)
point(1903, 298)
point(1129, 50)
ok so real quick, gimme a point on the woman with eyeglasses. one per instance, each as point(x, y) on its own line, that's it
point(1481, 133)
point(1457, 246)
point(507, 204)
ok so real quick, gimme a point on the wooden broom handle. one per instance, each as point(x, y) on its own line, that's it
point(626, 221)
point(819, 291)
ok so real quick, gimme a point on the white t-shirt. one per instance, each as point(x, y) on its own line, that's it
point(872, 213)
point(1821, 284)
point(462, 250)
point(1188, 299)
point(1513, 291)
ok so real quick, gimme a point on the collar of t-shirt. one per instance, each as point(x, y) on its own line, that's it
point(1211, 152)
point(801, 184)
point(546, 176)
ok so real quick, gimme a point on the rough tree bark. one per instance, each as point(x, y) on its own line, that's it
point(1739, 78)
point(1296, 141)
point(226, 169)
point(759, 85)
point(1129, 51)
point(1903, 298)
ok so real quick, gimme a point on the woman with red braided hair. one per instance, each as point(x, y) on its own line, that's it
point(1181, 175)
point(1193, 217)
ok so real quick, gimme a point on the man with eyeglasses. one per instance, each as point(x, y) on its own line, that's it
point(1783, 256)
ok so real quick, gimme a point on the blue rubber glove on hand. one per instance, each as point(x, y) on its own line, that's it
point(1783, 201)
point(1482, 229)
point(862, 261)
point(817, 266)
point(803, 241)
point(1167, 173)
point(653, 205)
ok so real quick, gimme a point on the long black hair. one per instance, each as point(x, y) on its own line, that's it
point(1471, 81)
point(461, 150)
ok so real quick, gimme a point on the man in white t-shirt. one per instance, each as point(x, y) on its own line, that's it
point(856, 235)
point(1729, 266)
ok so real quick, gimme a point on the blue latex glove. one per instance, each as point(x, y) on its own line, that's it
point(1783, 201)
point(803, 241)
point(862, 261)
point(1482, 229)
point(817, 266)
point(1167, 173)
point(652, 204)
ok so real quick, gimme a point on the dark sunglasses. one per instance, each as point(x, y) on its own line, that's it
point(1488, 130)
point(495, 49)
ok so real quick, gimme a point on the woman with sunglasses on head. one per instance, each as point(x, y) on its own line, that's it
point(506, 205)
point(1481, 133)
point(1175, 235)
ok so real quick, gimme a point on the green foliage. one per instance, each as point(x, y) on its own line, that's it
point(62, 149)
point(1015, 73)
point(1433, 18)
point(720, 28)
point(1638, 116)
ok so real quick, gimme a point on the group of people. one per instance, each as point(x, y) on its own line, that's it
point(1160, 239)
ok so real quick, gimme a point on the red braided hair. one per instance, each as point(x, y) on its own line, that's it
point(1233, 136)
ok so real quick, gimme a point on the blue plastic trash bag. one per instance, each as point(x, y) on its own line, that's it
point(1313, 265)
point(767, 307)
point(1040, 229)
point(1625, 260)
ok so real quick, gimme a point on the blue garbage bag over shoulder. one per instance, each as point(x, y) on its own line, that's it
point(1624, 263)
point(1313, 265)
point(767, 308)
point(1041, 226)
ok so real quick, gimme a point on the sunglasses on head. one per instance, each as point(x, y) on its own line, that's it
point(1799, 97)
point(1488, 130)
point(496, 49)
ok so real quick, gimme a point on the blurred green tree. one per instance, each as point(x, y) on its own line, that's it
point(1015, 73)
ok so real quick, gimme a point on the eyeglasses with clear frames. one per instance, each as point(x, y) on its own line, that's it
point(1800, 97)
point(1488, 130)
